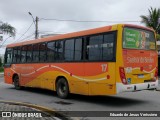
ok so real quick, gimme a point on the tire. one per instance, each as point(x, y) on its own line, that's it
point(16, 83)
point(62, 88)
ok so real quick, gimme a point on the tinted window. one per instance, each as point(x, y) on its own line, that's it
point(23, 54)
point(35, 54)
point(29, 53)
point(42, 52)
point(94, 47)
point(8, 56)
point(14, 55)
point(59, 50)
point(108, 46)
point(69, 50)
point(18, 54)
point(101, 47)
point(51, 51)
point(78, 49)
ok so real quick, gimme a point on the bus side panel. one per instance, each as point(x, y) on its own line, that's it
point(101, 78)
point(8, 75)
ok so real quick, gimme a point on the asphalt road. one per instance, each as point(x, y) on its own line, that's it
point(147, 100)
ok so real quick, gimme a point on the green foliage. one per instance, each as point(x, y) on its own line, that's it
point(152, 19)
point(0, 62)
point(8, 29)
point(158, 36)
point(1, 69)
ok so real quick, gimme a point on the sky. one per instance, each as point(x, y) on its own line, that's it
point(107, 12)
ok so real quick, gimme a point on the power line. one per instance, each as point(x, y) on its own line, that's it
point(65, 20)
point(24, 32)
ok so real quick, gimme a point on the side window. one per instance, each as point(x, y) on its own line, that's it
point(14, 55)
point(35, 54)
point(59, 50)
point(78, 49)
point(51, 51)
point(23, 54)
point(94, 47)
point(8, 56)
point(18, 54)
point(101, 47)
point(42, 52)
point(69, 50)
point(29, 53)
point(108, 46)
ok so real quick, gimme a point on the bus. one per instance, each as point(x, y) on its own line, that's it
point(101, 61)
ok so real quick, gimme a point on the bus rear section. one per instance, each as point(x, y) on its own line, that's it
point(139, 68)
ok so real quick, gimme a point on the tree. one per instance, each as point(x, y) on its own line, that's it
point(7, 29)
point(153, 19)
point(0, 62)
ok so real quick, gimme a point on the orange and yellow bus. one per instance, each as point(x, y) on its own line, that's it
point(101, 61)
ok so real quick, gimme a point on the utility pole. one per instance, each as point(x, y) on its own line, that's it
point(36, 26)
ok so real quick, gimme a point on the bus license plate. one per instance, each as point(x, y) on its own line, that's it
point(140, 76)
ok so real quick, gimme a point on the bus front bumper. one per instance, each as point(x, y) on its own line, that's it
point(120, 87)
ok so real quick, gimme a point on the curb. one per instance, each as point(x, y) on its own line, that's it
point(50, 112)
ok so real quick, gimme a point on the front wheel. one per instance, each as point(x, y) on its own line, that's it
point(62, 88)
point(16, 83)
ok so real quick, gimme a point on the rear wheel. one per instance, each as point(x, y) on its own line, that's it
point(62, 88)
point(16, 83)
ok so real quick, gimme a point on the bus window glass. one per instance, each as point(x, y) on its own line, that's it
point(51, 51)
point(14, 55)
point(138, 39)
point(8, 56)
point(23, 54)
point(29, 53)
point(59, 50)
point(35, 54)
point(18, 54)
point(94, 47)
point(108, 46)
point(42, 52)
point(78, 49)
point(69, 50)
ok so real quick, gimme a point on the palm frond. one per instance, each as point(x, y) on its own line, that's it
point(8, 29)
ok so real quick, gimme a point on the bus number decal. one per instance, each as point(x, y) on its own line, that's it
point(104, 67)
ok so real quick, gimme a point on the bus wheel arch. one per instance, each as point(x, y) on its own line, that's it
point(62, 87)
point(16, 82)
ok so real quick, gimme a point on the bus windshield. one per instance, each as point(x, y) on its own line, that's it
point(134, 38)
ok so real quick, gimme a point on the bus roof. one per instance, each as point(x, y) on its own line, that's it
point(75, 34)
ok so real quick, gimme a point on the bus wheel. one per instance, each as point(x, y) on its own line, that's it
point(16, 83)
point(62, 88)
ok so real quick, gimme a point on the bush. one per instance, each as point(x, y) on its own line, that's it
point(1, 69)
point(158, 36)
